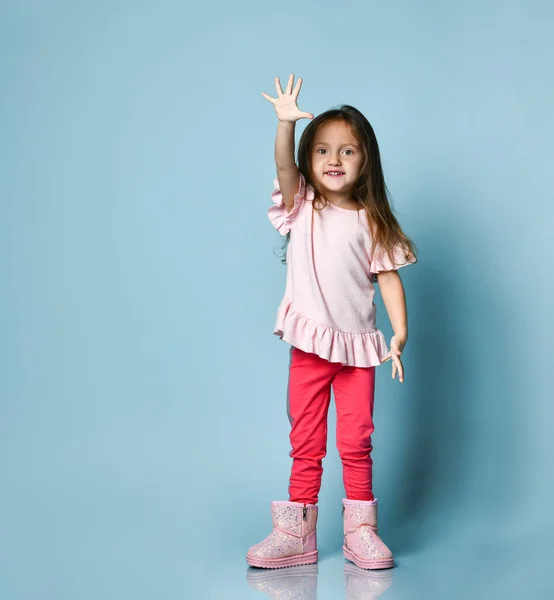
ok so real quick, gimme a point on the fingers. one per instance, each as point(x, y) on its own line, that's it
point(278, 87)
point(387, 358)
point(297, 87)
point(307, 115)
point(272, 100)
point(289, 84)
point(397, 366)
point(288, 91)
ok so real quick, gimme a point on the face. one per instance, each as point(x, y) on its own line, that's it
point(337, 157)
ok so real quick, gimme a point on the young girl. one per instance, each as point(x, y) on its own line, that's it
point(343, 238)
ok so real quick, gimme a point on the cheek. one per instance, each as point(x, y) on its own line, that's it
point(316, 162)
point(358, 163)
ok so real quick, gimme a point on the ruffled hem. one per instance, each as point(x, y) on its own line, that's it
point(382, 262)
point(354, 349)
point(278, 215)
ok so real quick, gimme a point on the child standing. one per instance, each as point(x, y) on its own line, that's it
point(342, 238)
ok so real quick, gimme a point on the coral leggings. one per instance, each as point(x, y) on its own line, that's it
point(309, 391)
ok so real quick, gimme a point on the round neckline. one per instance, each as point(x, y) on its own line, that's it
point(350, 210)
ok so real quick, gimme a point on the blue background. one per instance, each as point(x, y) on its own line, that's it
point(142, 410)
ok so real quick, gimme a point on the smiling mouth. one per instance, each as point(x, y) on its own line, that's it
point(334, 173)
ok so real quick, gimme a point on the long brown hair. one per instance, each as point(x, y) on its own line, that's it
point(370, 189)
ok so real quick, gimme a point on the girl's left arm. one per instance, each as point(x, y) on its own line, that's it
point(394, 299)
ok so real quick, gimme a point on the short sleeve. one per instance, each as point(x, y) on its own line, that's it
point(382, 262)
point(278, 215)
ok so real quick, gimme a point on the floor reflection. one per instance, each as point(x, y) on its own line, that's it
point(365, 584)
point(291, 582)
point(300, 583)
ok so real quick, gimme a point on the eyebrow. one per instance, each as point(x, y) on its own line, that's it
point(344, 144)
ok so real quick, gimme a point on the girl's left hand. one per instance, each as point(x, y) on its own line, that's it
point(396, 347)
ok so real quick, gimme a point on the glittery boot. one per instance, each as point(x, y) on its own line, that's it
point(362, 544)
point(284, 584)
point(293, 539)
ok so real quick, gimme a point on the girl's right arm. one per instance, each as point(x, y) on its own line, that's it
point(287, 171)
point(287, 113)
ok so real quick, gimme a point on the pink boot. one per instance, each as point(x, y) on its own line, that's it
point(293, 539)
point(362, 544)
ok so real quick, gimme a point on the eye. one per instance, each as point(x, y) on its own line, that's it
point(319, 149)
point(352, 151)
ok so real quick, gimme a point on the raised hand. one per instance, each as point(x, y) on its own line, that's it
point(285, 103)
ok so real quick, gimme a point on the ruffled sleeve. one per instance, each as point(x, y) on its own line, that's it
point(278, 215)
point(381, 261)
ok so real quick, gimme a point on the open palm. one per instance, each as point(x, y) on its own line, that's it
point(285, 103)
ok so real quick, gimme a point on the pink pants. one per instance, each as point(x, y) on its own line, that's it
point(309, 393)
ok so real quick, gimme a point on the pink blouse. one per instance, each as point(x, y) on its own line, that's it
point(328, 306)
